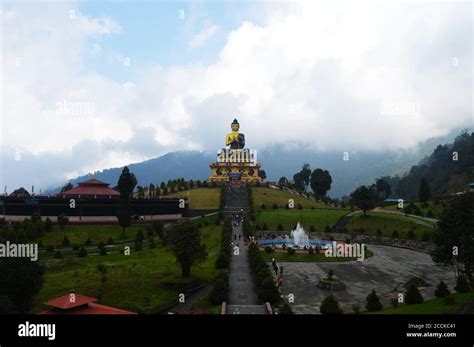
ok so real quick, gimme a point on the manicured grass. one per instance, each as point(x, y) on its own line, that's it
point(142, 282)
point(307, 218)
point(204, 304)
point(436, 209)
point(432, 306)
point(270, 196)
point(200, 198)
point(386, 223)
point(305, 257)
point(78, 234)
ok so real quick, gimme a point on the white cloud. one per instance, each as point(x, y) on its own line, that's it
point(314, 73)
point(199, 39)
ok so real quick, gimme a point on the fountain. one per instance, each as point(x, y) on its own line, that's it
point(300, 238)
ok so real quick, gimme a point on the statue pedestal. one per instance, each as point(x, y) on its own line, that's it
point(234, 172)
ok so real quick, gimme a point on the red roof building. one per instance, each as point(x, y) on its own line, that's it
point(80, 304)
point(91, 189)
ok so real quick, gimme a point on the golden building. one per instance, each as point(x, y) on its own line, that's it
point(235, 163)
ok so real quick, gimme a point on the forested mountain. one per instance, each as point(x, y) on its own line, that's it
point(447, 170)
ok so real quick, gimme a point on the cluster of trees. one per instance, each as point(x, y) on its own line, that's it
point(21, 279)
point(29, 229)
point(319, 180)
point(172, 186)
point(454, 243)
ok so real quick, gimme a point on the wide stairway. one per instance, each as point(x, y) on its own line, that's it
point(236, 199)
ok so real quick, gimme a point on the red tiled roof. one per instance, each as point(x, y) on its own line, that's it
point(91, 187)
point(93, 181)
point(64, 302)
point(83, 305)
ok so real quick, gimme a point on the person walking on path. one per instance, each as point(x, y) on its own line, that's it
point(275, 266)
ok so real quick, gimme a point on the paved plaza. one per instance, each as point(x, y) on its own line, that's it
point(386, 272)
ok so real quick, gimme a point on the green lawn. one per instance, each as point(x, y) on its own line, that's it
point(204, 304)
point(432, 306)
point(78, 234)
point(143, 282)
point(270, 196)
point(436, 209)
point(307, 218)
point(386, 223)
point(305, 257)
point(200, 198)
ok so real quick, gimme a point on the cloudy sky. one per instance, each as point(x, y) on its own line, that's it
point(87, 86)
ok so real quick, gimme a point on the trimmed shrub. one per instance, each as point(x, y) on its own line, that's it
point(58, 255)
point(286, 309)
point(267, 291)
point(462, 286)
point(330, 305)
point(82, 252)
point(449, 300)
point(442, 290)
point(110, 241)
point(290, 250)
point(413, 295)
point(222, 260)
point(268, 249)
point(373, 302)
point(66, 242)
point(219, 293)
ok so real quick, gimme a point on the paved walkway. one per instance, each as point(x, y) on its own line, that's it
point(242, 288)
point(243, 298)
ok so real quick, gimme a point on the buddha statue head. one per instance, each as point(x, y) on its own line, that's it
point(235, 125)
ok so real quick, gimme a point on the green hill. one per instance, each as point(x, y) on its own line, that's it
point(200, 198)
point(270, 196)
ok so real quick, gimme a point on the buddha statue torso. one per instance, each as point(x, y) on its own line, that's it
point(235, 139)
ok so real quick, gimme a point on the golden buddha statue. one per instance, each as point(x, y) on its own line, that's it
point(235, 139)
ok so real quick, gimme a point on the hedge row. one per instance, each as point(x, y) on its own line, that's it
point(220, 292)
point(266, 288)
point(223, 260)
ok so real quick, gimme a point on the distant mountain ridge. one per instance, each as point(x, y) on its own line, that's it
point(363, 167)
point(448, 169)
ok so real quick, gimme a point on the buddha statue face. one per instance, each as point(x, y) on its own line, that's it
point(235, 125)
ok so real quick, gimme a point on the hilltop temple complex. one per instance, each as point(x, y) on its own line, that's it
point(235, 163)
